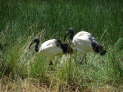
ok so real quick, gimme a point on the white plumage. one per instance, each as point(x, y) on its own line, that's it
point(51, 48)
point(84, 42)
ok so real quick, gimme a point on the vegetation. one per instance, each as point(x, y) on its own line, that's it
point(23, 20)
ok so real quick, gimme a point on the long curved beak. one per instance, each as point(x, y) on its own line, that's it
point(31, 44)
point(34, 41)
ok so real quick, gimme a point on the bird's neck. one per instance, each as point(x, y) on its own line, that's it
point(71, 36)
point(37, 46)
point(66, 48)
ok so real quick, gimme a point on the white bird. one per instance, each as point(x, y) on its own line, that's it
point(51, 48)
point(84, 42)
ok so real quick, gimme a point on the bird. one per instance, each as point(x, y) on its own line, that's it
point(51, 48)
point(84, 42)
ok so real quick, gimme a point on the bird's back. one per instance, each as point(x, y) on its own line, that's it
point(82, 33)
point(50, 48)
point(81, 41)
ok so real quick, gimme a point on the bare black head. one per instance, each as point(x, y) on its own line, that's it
point(36, 41)
point(69, 34)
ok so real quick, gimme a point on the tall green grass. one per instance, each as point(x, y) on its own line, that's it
point(22, 21)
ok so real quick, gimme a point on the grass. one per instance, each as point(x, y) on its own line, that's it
point(22, 21)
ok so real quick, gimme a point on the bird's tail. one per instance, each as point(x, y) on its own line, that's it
point(98, 48)
point(103, 52)
point(37, 41)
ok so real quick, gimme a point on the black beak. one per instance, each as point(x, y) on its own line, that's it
point(34, 41)
point(31, 44)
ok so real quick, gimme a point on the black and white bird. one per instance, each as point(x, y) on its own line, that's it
point(84, 42)
point(51, 48)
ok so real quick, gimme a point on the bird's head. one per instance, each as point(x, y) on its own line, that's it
point(37, 41)
point(69, 34)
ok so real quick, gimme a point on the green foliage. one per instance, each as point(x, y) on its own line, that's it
point(119, 44)
point(21, 21)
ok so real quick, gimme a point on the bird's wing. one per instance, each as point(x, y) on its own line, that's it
point(82, 33)
point(48, 44)
point(82, 43)
point(50, 48)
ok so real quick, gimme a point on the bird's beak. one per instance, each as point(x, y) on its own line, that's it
point(31, 44)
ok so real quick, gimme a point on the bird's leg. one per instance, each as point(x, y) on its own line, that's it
point(51, 67)
point(83, 59)
point(50, 63)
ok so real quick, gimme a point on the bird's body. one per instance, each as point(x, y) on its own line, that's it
point(52, 48)
point(84, 42)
